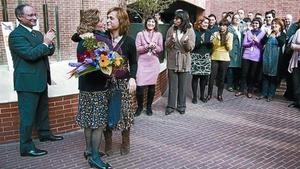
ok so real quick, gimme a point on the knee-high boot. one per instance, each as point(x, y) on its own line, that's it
point(150, 97)
point(140, 100)
point(108, 141)
point(125, 147)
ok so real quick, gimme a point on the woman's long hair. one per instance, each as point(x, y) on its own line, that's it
point(198, 22)
point(279, 22)
point(88, 21)
point(223, 22)
point(185, 20)
point(123, 18)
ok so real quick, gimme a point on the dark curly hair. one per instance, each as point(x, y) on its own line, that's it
point(185, 20)
point(257, 20)
point(156, 23)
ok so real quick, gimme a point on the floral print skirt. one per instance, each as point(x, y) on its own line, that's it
point(127, 112)
point(92, 109)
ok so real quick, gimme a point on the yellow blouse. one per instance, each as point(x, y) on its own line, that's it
point(219, 52)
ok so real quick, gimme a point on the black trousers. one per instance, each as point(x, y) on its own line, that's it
point(202, 80)
point(248, 77)
point(218, 74)
point(296, 84)
point(33, 110)
point(233, 77)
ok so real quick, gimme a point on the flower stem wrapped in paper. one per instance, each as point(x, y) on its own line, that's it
point(98, 56)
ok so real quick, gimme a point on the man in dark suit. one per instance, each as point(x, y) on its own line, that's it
point(30, 51)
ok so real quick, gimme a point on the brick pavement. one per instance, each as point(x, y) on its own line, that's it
point(239, 133)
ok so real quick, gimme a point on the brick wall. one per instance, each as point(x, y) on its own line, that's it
point(282, 7)
point(69, 16)
point(62, 112)
point(68, 21)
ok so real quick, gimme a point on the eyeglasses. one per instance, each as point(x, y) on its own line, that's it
point(31, 15)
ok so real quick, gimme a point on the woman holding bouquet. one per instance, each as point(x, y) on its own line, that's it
point(93, 92)
point(149, 44)
point(117, 25)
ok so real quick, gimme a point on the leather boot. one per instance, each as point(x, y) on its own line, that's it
point(150, 97)
point(140, 101)
point(108, 141)
point(125, 147)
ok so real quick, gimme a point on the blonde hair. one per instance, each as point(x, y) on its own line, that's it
point(88, 21)
point(123, 19)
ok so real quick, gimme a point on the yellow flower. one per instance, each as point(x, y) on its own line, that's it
point(118, 61)
point(106, 70)
point(103, 62)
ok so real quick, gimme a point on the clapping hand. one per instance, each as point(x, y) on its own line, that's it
point(151, 46)
point(49, 36)
point(254, 38)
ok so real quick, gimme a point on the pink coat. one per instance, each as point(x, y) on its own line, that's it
point(148, 62)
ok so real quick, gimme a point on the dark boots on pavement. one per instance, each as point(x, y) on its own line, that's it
point(125, 146)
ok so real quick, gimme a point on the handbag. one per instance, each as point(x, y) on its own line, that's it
point(114, 107)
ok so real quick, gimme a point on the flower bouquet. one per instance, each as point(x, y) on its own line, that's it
point(97, 56)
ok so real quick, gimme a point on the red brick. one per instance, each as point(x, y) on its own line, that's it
point(11, 137)
point(7, 114)
point(55, 99)
point(5, 124)
point(9, 110)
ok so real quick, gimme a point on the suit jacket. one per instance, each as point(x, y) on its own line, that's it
point(30, 60)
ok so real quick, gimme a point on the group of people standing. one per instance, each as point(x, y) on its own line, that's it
point(230, 51)
point(240, 53)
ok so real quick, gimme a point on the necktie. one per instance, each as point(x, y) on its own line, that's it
point(33, 33)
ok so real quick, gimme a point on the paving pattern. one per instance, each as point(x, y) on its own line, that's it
point(239, 133)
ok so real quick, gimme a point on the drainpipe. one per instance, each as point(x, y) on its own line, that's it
point(81, 8)
point(45, 14)
point(4, 10)
point(57, 31)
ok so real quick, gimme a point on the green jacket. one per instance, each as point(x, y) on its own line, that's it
point(30, 60)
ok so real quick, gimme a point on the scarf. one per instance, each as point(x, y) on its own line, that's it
point(255, 31)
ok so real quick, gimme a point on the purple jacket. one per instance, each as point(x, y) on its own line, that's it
point(252, 50)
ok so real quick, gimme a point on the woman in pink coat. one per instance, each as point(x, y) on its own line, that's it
point(149, 43)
